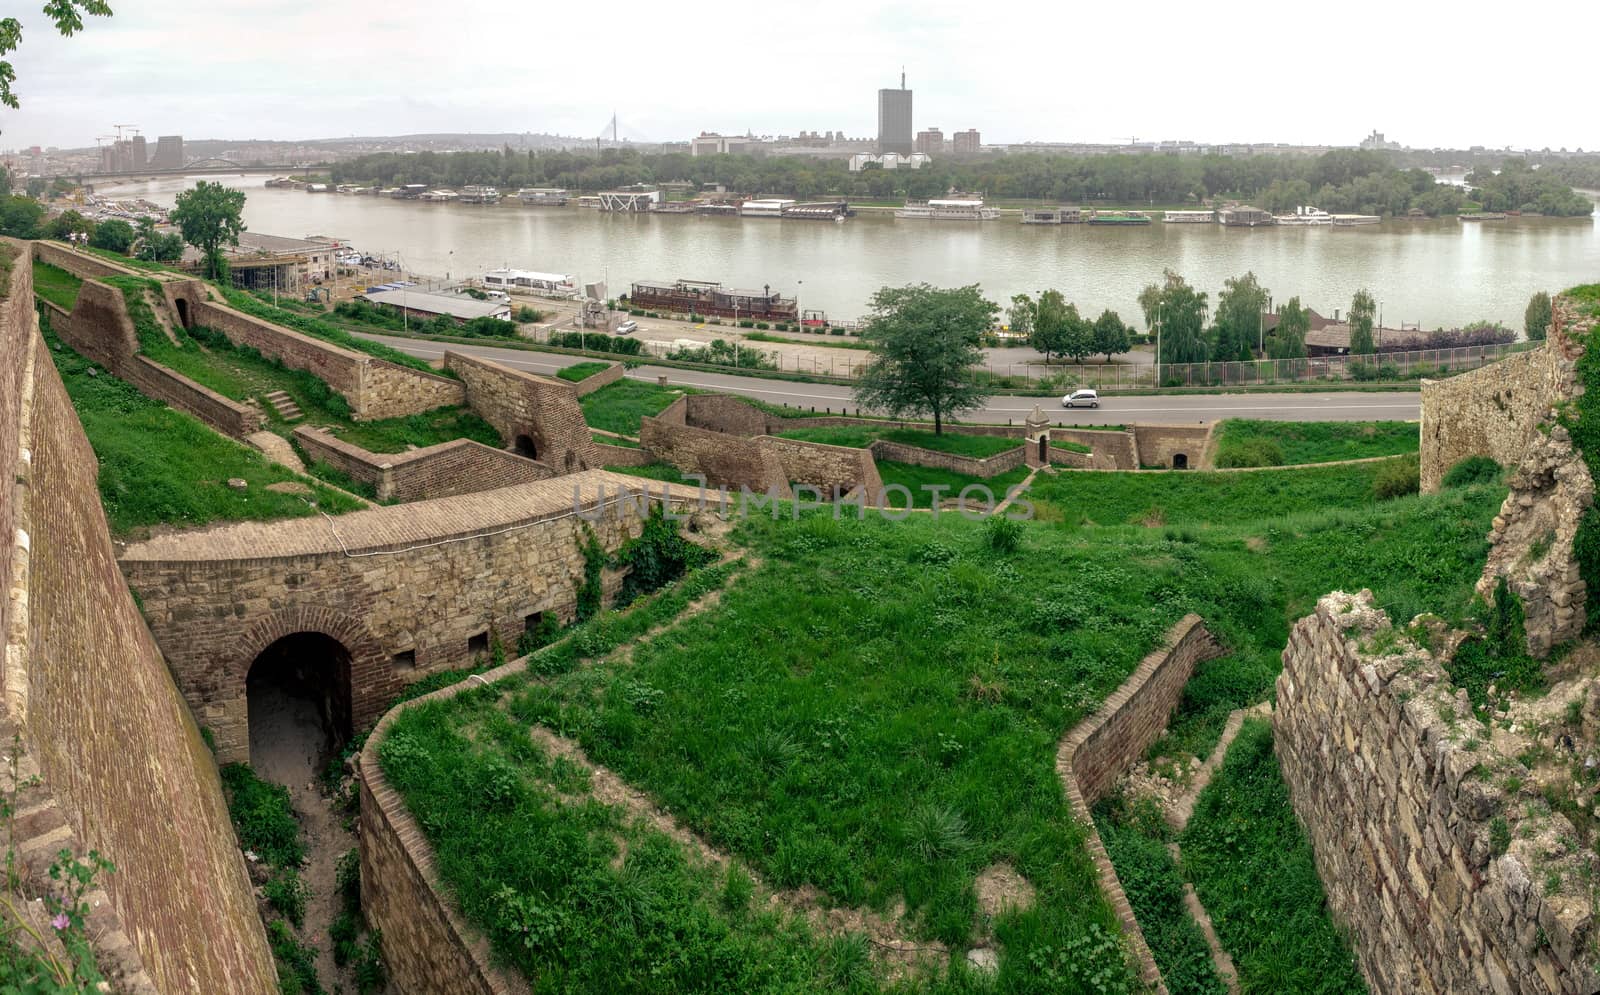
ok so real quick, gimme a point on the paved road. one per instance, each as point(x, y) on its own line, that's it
point(1160, 408)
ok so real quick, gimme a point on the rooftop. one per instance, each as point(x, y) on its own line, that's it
point(465, 308)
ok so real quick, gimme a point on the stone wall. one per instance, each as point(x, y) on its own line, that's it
point(84, 265)
point(530, 412)
point(390, 390)
point(1112, 450)
point(85, 686)
point(1382, 759)
point(833, 470)
point(1493, 411)
point(899, 452)
point(222, 413)
point(98, 327)
point(1161, 445)
point(622, 455)
point(1101, 748)
point(610, 375)
point(460, 466)
point(1078, 461)
point(406, 590)
point(724, 460)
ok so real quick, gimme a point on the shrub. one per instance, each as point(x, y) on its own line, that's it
point(527, 314)
point(1002, 534)
point(262, 816)
point(1251, 452)
point(746, 323)
point(546, 632)
point(1397, 479)
point(658, 557)
point(1472, 470)
point(762, 326)
point(287, 893)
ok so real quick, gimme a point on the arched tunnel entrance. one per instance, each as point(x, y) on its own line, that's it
point(525, 446)
point(298, 698)
point(183, 312)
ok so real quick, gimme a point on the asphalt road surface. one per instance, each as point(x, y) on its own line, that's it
point(1158, 408)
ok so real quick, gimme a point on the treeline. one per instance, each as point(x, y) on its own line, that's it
point(1519, 187)
point(1346, 181)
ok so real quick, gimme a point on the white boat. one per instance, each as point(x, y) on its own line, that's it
point(949, 210)
point(1189, 217)
point(544, 196)
point(772, 208)
point(1351, 220)
point(479, 195)
point(523, 281)
point(1305, 216)
point(440, 196)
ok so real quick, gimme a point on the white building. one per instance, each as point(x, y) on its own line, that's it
point(888, 160)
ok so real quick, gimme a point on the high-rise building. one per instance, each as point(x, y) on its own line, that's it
point(894, 120)
point(138, 149)
point(169, 152)
point(967, 142)
point(930, 142)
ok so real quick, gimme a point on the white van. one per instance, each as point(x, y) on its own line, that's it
point(1081, 399)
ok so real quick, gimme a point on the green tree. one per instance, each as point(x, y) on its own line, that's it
point(210, 215)
point(19, 217)
point(1239, 317)
point(925, 351)
point(5, 182)
point(1051, 330)
point(1363, 311)
point(67, 224)
point(68, 18)
point(1181, 319)
point(1077, 334)
point(1536, 319)
point(1110, 335)
point(115, 235)
point(37, 187)
point(1289, 338)
point(155, 246)
point(1020, 314)
point(1149, 303)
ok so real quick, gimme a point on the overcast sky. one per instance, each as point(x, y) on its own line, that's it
point(1425, 74)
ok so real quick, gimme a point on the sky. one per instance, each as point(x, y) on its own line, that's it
point(1426, 75)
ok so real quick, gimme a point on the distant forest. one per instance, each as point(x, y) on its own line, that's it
point(1347, 181)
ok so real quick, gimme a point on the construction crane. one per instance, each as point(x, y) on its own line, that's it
point(119, 128)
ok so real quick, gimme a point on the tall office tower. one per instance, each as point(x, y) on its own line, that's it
point(894, 120)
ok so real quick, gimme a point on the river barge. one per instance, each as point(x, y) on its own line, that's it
point(712, 300)
point(1482, 216)
point(1118, 218)
point(1053, 216)
point(948, 210)
point(479, 195)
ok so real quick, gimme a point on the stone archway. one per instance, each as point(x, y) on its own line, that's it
point(1180, 461)
point(183, 312)
point(526, 446)
point(297, 702)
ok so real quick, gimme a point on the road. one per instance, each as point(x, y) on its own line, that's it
point(1159, 408)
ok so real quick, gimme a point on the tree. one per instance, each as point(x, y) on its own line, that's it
point(67, 224)
point(37, 187)
point(19, 217)
point(1289, 338)
point(68, 18)
point(115, 235)
point(1020, 314)
point(1181, 316)
point(925, 351)
point(5, 182)
point(209, 216)
point(1050, 326)
point(1149, 303)
point(1110, 335)
point(1362, 312)
point(1536, 320)
point(155, 246)
point(1239, 318)
point(1077, 338)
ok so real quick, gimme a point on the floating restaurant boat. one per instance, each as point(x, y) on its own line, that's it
point(720, 210)
point(440, 196)
point(1189, 217)
point(1053, 216)
point(479, 195)
point(1118, 218)
point(1245, 217)
point(1304, 217)
point(523, 281)
point(1482, 216)
point(764, 208)
point(834, 210)
point(949, 210)
point(1351, 220)
point(544, 196)
point(700, 297)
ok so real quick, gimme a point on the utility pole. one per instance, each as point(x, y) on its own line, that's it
point(1158, 345)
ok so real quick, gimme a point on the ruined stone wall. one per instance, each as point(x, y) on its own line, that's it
point(340, 368)
point(460, 466)
point(610, 375)
point(725, 413)
point(84, 265)
point(622, 455)
point(1382, 757)
point(833, 470)
point(724, 460)
point(1160, 445)
point(394, 391)
point(98, 327)
point(1101, 748)
point(222, 413)
point(899, 452)
point(118, 754)
point(1493, 411)
point(539, 410)
point(417, 582)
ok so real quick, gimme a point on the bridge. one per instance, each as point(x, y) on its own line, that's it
point(348, 610)
point(208, 166)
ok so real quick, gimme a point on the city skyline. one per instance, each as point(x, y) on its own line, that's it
point(278, 72)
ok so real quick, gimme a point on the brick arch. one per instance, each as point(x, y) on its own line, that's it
point(372, 681)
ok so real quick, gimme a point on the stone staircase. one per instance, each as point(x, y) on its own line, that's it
point(285, 406)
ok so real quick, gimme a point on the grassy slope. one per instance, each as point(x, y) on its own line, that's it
point(617, 407)
point(162, 467)
point(1252, 867)
point(56, 285)
point(917, 479)
point(861, 436)
point(875, 711)
point(1320, 442)
point(579, 372)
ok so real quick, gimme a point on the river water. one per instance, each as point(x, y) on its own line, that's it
point(1436, 273)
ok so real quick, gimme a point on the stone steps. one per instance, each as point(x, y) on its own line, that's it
point(285, 406)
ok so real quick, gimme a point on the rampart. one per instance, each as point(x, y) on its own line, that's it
point(724, 460)
point(1177, 446)
point(460, 466)
point(540, 415)
point(1383, 760)
point(121, 763)
point(833, 470)
point(972, 466)
point(83, 265)
point(1101, 748)
point(404, 590)
point(610, 375)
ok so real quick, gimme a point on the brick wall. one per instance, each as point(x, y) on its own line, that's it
point(394, 391)
point(422, 578)
point(87, 688)
point(1160, 445)
point(460, 466)
point(834, 470)
point(1112, 450)
point(723, 460)
point(224, 414)
point(622, 455)
point(83, 265)
point(539, 410)
point(1076, 460)
point(340, 368)
point(99, 327)
point(1399, 821)
point(1101, 748)
point(610, 375)
point(901, 453)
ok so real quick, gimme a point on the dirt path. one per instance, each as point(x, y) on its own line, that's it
point(288, 746)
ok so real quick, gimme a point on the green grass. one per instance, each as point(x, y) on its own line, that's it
point(578, 372)
point(1201, 499)
point(1252, 867)
point(826, 341)
point(56, 285)
point(617, 407)
point(874, 712)
point(862, 436)
point(1241, 442)
point(8, 255)
point(615, 440)
point(318, 328)
point(918, 480)
point(163, 467)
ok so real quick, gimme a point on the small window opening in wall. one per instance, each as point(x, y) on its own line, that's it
point(404, 662)
point(478, 645)
point(530, 623)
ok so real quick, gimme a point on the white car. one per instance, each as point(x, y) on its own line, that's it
point(1081, 399)
point(627, 326)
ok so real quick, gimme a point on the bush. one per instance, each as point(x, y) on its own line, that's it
point(1002, 534)
point(746, 323)
point(1472, 470)
point(1251, 452)
point(526, 314)
point(762, 326)
point(287, 893)
point(262, 816)
point(1397, 479)
point(658, 557)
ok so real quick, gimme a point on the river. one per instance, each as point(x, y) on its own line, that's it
point(1435, 273)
